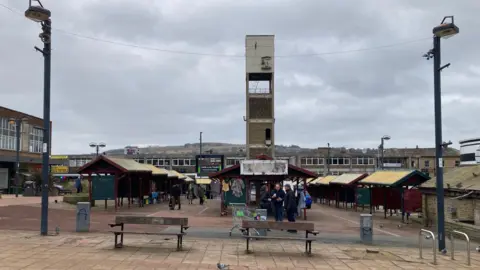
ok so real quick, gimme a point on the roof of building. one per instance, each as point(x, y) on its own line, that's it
point(122, 164)
point(349, 178)
point(324, 180)
point(395, 178)
point(158, 171)
point(460, 178)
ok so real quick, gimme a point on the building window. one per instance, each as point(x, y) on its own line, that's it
point(311, 161)
point(233, 161)
point(149, 161)
point(363, 161)
point(457, 163)
point(427, 163)
point(36, 140)
point(187, 162)
point(193, 162)
point(160, 162)
point(174, 162)
point(8, 135)
point(181, 162)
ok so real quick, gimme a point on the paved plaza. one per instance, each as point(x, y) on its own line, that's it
point(28, 250)
point(207, 242)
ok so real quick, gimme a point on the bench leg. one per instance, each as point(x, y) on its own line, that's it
point(118, 245)
point(179, 237)
point(248, 240)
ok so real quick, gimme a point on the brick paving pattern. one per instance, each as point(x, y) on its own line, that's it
point(28, 250)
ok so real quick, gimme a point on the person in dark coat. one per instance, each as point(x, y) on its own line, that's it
point(201, 194)
point(176, 192)
point(290, 205)
point(265, 198)
point(278, 195)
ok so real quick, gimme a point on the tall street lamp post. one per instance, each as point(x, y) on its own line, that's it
point(18, 127)
point(444, 30)
point(97, 146)
point(382, 149)
point(42, 15)
point(201, 143)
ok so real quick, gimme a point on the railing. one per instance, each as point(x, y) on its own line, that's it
point(467, 239)
point(434, 244)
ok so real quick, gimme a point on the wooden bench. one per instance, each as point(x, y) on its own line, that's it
point(308, 228)
point(121, 221)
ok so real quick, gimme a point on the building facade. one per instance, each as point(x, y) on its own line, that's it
point(31, 144)
point(323, 161)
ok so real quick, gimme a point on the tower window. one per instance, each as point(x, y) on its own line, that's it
point(268, 134)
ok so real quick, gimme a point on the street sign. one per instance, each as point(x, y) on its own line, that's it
point(207, 164)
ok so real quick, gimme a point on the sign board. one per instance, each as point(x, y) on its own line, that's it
point(103, 187)
point(207, 164)
point(263, 167)
point(131, 150)
point(59, 169)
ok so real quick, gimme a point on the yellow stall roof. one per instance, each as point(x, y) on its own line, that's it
point(390, 178)
point(203, 181)
point(326, 180)
point(347, 178)
point(155, 170)
point(177, 174)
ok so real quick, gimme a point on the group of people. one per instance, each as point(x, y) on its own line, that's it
point(176, 192)
point(282, 201)
point(200, 193)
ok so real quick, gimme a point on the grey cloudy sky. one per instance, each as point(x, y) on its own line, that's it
point(128, 96)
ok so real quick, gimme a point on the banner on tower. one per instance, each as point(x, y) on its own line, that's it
point(264, 167)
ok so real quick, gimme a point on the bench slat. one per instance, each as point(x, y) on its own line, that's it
point(273, 225)
point(280, 238)
point(143, 220)
point(149, 233)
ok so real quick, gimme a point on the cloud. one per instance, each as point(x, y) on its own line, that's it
point(328, 87)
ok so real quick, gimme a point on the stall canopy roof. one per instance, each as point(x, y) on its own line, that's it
point(325, 180)
point(395, 178)
point(179, 175)
point(461, 178)
point(121, 164)
point(188, 179)
point(203, 181)
point(156, 171)
point(349, 178)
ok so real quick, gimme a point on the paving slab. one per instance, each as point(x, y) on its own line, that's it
point(28, 250)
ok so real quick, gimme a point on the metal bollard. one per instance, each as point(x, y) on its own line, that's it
point(467, 239)
point(434, 243)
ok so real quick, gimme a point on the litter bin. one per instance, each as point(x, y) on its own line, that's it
point(83, 217)
point(366, 228)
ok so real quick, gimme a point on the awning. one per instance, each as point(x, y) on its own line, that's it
point(203, 181)
point(188, 179)
point(177, 174)
point(395, 178)
point(348, 178)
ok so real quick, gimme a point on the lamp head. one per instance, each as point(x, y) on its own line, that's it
point(93, 144)
point(101, 145)
point(446, 30)
point(268, 143)
point(386, 137)
point(38, 13)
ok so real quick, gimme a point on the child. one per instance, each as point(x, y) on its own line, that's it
point(155, 197)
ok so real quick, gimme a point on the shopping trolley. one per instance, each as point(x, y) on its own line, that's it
point(241, 212)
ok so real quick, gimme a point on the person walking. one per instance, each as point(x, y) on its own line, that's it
point(201, 194)
point(278, 195)
point(78, 185)
point(290, 205)
point(176, 192)
point(191, 194)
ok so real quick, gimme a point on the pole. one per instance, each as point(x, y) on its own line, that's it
point(438, 144)
point(97, 149)
point(381, 154)
point(18, 122)
point(328, 158)
point(47, 49)
point(201, 143)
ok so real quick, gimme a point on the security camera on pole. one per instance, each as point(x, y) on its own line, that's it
point(42, 15)
point(444, 30)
